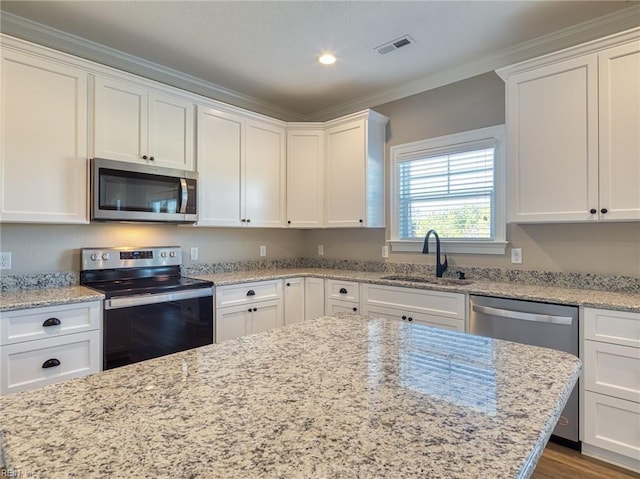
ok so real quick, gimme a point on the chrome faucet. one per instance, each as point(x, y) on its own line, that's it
point(440, 267)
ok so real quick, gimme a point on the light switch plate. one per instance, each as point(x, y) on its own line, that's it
point(320, 250)
point(263, 250)
point(194, 253)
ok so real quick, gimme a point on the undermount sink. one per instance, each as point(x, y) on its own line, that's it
point(427, 279)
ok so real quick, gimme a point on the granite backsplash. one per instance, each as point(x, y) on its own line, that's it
point(601, 282)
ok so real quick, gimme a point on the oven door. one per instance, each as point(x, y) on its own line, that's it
point(148, 326)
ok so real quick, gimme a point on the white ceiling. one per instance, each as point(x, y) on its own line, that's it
point(266, 50)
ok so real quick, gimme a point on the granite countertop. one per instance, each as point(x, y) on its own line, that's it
point(31, 298)
point(549, 294)
point(337, 397)
point(34, 298)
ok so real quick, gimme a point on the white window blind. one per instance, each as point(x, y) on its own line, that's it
point(451, 190)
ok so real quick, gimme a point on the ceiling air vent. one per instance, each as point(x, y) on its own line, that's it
point(394, 44)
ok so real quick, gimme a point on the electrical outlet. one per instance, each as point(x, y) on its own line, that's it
point(194, 252)
point(5, 260)
point(320, 250)
point(516, 255)
point(385, 251)
point(263, 250)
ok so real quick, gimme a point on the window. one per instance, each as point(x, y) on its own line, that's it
point(453, 184)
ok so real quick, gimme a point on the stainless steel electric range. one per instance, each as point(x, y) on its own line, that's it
point(150, 309)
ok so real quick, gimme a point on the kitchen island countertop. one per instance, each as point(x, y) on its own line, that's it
point(335, 397)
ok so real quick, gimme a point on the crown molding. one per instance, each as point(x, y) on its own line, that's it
point(622, 20)
point(44, 35)
point(25, 29)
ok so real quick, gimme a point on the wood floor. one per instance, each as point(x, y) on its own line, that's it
point(559, 462)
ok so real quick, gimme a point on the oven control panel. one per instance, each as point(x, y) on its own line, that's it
point(127, 257)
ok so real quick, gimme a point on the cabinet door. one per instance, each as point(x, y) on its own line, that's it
point(120, 121)
point(266, 316)
point(219, 161)
point(232, 322)
point(345, 184)
point(553, 142)
point(171, 131)
point(313, 298)
point(43, 141)
point(264, 175)
point(294, 300)
point(619, 116)
point(305, 178)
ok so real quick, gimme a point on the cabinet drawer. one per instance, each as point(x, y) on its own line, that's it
point(29, 324)
point(437, 303)
point(612, 424)
point(416, 317)
point(612, 369)
point(618, 327)
point(343, 290)
point(22, 364)
point(333, 306)
point(239, 294)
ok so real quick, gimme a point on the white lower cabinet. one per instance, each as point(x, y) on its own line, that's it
point(439, 309)
point(248, 308)
point(611, 353)
point(313, 298)
point(341, 297)
point(47, 345)
point(294, 300)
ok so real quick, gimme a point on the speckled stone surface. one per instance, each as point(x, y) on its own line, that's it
point(35, 298)
point(549, 294)
point(335, 397)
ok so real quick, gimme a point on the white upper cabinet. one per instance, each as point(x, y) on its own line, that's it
point(573, 119)
point(241, 165)
point(305, 177)
point(619, 127)
point(134, 123)
point(43, 140)
point(355, 170)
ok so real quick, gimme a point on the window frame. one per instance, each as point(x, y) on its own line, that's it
point(440, 145)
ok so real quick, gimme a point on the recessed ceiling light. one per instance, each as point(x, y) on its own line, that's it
point(327, 59)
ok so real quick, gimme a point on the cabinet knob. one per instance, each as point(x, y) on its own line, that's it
point(51, 322)
point(248, 220)
point(355, 309)
point(288, 284)
point(243, 220)
point(604, 211)
point(144, 157)
point(255, 309)
point(251, 293)
point(51, 363)
point(249, 310)
point(151, 158)
point(409, 318)
point(361, 221)
point(593, 211)
point(404, 317)
point(289, 222)
point(343, 290)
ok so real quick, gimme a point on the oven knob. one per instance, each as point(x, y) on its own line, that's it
point(94, 257)
point(172, 254)
point(163, 254)
point(105, 256)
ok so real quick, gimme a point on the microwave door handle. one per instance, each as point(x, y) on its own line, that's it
point(184, 196)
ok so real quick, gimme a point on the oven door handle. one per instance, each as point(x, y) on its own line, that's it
point(538, 318)
point(142, 299)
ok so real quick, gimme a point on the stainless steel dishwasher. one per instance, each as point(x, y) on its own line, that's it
point(539, 324)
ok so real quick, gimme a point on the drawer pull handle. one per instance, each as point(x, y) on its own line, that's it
point(51, 322)
point(51, 363)
point(343, 290)
point(251, 293)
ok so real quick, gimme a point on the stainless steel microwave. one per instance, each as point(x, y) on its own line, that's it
point(122, 191)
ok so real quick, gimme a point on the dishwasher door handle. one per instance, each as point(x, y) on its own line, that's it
point(539, 318)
